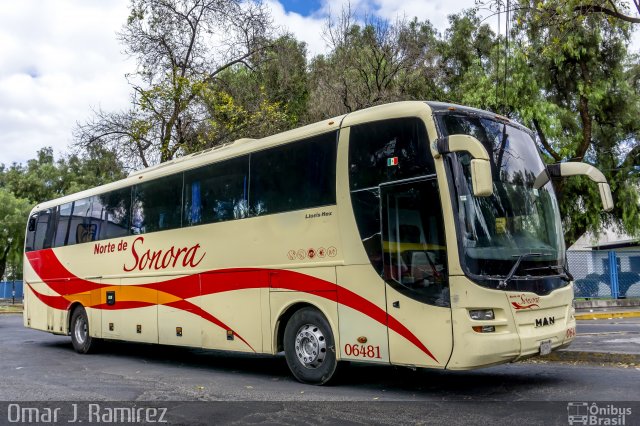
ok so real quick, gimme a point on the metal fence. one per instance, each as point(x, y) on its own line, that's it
point(11, 289)
point(605, 274)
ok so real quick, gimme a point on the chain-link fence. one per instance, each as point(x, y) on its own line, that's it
point(10, 290)
point(605, 274)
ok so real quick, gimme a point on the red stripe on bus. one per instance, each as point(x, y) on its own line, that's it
point(46, 264)
point(54, 273)
point(57, 302)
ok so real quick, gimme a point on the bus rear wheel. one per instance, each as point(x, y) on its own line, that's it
point(80, 338)
point(309, 347)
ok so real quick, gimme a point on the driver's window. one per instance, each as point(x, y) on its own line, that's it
point(415, 253)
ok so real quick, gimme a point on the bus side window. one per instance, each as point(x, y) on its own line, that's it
point(366, 209)
point(157, 204)
point(80, 230)
point(388, 150)
point(31, 233)
point(62, 226)
point(43, 232)
point(217, 192)
point(294, 176)
point(117, 207)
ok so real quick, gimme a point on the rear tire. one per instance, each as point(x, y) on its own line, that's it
point(309, 347)
point(81, 339)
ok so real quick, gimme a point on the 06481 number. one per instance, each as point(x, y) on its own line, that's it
point(363, 351)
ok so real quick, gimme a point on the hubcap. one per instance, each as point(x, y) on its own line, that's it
point(80, 330)
point(311, 346)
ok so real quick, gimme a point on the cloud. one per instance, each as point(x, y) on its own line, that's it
point(305, 28)
point(61, 58)
point(58, 60)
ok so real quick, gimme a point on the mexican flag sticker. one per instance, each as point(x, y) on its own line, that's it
point(393, 161)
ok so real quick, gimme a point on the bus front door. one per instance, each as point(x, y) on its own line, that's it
point(415, 272)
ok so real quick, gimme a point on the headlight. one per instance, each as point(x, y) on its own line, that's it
point(481, 314)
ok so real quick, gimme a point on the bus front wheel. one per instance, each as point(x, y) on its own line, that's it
point(309, 347)
point(80, 338)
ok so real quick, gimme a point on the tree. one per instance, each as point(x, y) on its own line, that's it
point(370, 64)
point(181, 47)
point(43, 178)
point(268, 96)
point(570, 77)
point(13, 219)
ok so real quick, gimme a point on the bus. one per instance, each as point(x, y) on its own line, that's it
point(419, 234)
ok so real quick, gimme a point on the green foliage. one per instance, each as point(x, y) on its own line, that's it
point(566, 73)
point(41, 179)
point(13, 219)
point(371, 64)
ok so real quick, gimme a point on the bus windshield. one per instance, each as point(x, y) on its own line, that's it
point(517, 231)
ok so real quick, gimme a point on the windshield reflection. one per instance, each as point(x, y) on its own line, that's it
point(517, 219)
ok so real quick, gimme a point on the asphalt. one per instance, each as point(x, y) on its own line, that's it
point(610, 347)
point(616, 343)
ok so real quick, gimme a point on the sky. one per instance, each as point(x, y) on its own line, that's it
point(59, 60)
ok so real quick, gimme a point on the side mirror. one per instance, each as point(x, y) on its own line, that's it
point(576, 169)
point(481, 179)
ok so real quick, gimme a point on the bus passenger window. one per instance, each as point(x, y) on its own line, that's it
point(388, 150)
point(294, 176)
point(64, 215)
point(116, 206)
point(157, 205)
point(217, 192)
point(31, 233)
point(79, 226)
point(43, 233)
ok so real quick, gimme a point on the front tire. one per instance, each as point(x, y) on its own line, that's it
point(309, 347)
point(82, 341)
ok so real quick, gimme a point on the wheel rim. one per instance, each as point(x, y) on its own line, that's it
point(311, 346)
point(80, 330)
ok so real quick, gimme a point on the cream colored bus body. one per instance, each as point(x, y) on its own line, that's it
point(252, 257)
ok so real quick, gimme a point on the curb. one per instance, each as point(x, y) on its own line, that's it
point(607, 315)
point(593, 357)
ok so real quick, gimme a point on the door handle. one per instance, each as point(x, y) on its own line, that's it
point(396, 304)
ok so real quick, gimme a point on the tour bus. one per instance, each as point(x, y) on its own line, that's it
point(420, 234)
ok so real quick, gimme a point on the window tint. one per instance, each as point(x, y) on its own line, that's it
point(388, 150)
point(40, 230)
point(366, 209)
point(64, 215)
point(97, 216)
point(31, 232)
point(116, 207)
point(415, 255)
point(294, 176)
point(80, 228)
point(217, 192)
point(157, 204)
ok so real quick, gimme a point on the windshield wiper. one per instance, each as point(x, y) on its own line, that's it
point(566, 275)
point(513, 270)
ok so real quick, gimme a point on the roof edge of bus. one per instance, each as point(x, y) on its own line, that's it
point(439, 107)
point(386, 111)
point(201, 158)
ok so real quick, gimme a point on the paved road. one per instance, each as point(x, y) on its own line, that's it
point(630, 325)
point(608, 335)
point(40, 366)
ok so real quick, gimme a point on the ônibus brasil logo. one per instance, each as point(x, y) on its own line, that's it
point(583, 413)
